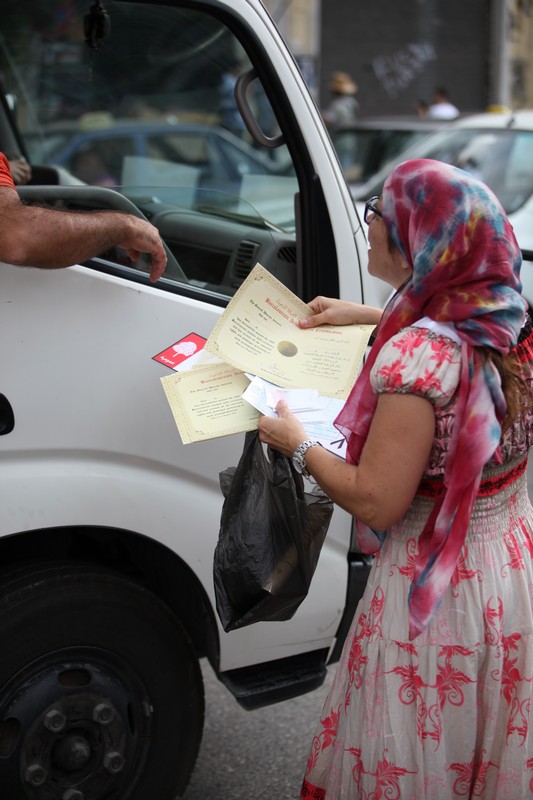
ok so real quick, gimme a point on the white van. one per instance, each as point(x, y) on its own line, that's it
point(108, 523)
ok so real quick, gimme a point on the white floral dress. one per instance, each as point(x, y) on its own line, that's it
point(447, 715)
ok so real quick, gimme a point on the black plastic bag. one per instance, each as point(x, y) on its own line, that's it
point(271, 534)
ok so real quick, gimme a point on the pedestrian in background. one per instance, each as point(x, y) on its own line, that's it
point(441, 107)
point(343, 109)
point(230, 116)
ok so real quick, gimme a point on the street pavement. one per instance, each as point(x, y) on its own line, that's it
point(254, 755)
point(257, 755)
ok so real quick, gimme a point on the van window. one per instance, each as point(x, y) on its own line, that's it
point(149, 111)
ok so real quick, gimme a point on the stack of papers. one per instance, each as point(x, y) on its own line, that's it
point(259, 355)
point(315, 412)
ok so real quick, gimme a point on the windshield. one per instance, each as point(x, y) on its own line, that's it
point(151, 103)
point(363, 151)
point(503, 159)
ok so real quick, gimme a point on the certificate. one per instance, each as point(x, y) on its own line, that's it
point(259, 333)
point(206, 402)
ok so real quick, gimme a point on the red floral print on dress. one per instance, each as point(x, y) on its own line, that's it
point(426, 383)
point(324, 739)
point(528, 539)
point(471, 780)
point(409, 343)
point(310, 792)
point(519, 707)
point(367, 626)
point(448, 685)
point(387, 777)
point(492, 620)
point(529, 765)
point(408, 569)
point(515, 554)
point(393, 374)
point(443, 354)
point(462, 573)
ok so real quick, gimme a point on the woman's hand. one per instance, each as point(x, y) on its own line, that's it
point(284, 433)
point(330, 311)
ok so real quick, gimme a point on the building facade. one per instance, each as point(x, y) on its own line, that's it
point(520, 35)
point(398, 51)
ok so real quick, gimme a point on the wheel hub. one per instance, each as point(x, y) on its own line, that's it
point(74, 729)
point(71, 753)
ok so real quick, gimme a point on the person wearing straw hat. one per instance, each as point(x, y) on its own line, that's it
point(344, 108)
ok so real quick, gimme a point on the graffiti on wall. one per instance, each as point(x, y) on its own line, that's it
point(397, 71)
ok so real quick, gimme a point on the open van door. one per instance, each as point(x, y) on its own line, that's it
point(108, 522)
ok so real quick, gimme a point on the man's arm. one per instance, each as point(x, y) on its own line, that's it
point(50, 238)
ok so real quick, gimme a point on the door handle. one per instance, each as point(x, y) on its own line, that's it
point(7, 417)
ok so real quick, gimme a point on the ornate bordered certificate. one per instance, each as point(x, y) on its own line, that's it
point(207, 402)
point(258, 333)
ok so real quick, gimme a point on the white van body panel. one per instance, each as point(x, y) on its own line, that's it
point(95, 443)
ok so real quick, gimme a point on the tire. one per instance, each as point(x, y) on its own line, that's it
point(101, 694)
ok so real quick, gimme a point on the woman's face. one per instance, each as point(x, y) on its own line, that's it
point(384, 259)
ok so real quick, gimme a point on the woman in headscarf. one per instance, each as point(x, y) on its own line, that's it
point(432, 697)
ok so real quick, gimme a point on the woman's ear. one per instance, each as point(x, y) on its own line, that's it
point(401, 263)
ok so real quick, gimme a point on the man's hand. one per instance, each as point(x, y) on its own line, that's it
point(145, 238)
point(20, 170)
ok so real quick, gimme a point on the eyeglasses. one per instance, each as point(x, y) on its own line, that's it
point(371, 208)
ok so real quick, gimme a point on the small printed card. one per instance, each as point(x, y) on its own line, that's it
point(178, 354)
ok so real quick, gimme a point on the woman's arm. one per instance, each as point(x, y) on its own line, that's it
point(331, 311)
point(381, 488)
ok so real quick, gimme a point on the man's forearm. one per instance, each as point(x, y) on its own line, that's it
point(50, 238)
point(53, 239)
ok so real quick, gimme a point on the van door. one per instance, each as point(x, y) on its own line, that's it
point(132, 106)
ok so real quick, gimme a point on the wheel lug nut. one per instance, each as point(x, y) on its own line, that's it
point(54, 720)
point(103, 714)
point(35, 775)
point(113, 761)
point(73, 794)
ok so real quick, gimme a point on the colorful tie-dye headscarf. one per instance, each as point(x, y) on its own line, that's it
point(454, 233)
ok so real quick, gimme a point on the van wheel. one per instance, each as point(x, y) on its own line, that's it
point(101, 694)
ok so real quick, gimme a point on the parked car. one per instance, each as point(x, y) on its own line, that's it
point(365, 147)
point(108, 151)
point(498, 148)
point(108, 523)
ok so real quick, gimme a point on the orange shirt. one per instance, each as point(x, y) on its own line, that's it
point(5, 174)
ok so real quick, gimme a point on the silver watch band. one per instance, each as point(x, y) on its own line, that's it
point(298, 457)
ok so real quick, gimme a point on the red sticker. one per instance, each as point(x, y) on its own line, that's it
point(179, 352)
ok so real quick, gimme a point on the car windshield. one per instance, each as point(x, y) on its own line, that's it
point(503, 159)
point(152, 104)
point(363, 151)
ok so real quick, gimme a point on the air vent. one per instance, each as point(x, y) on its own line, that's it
point(245, 259)
point(287, 254)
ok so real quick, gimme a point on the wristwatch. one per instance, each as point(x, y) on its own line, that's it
point(298, 457)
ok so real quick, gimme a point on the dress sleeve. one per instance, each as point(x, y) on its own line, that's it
point(418, 361)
